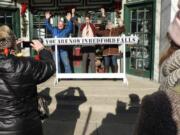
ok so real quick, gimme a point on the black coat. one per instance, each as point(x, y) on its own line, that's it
point(155, 116)
point(18, 92)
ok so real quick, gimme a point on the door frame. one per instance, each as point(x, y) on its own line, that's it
point(149, 74)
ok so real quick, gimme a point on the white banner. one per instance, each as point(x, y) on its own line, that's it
point(132, 39)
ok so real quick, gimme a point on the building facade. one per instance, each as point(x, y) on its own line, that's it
point(149, 19)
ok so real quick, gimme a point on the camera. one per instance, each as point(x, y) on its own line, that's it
point(26, 44)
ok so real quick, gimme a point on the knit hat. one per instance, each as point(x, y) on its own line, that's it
point(7, 37)
point(174, 28)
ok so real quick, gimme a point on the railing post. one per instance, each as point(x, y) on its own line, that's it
point(56, 62)
point(124, 64)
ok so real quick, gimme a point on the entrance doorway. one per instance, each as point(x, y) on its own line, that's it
point(139, 21)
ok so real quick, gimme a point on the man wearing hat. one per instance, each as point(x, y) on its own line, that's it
point(19, 77)
point(60, 32)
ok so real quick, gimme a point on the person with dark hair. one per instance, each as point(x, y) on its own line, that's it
point(19, 76)
point(160, 112)
point(76, 23)
point(60, 32)
point(88, 30)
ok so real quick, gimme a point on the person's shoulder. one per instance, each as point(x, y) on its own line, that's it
point(15, 64)
point(92, 25)
point(83, 25)
point(177, 52)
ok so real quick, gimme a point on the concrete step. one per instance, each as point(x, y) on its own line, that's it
point(96, 114)
point(74, 122)
point(102, 103)
point(94, 107)
point(95, 91)
point(98, 101)
point(134, 82)
point(83, 128)
point(80, 128)
point(95, 86)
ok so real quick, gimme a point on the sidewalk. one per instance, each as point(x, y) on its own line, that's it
point(94, 107)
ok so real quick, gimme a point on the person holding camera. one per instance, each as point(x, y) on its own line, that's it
point(60, 32)
point(19, 76)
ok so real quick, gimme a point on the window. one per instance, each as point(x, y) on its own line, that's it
point(141, 24)
point(6, 18)
point(39, 30)
point(10, 17)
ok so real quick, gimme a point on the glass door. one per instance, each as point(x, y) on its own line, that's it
point(139, 21)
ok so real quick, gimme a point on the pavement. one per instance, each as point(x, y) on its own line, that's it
point(94, 107)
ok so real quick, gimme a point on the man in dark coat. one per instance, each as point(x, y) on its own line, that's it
point(19, 77)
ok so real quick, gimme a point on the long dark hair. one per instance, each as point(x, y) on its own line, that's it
point(173, 47)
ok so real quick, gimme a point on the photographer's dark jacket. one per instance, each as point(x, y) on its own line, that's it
point(18, 92)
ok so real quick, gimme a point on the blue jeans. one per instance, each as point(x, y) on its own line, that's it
point(110, 59)
point(64, 58)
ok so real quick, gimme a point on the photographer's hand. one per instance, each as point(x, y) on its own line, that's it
point(37, 45)
point(19, 41)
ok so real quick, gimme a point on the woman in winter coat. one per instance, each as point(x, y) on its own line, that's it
point(19, 77)
point(110, 52)
point(160, 112)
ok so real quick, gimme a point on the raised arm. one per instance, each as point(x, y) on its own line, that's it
point(47, 24)
point(102, 31)
point(43, 69)
point(121, 28)
point(69, 27)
